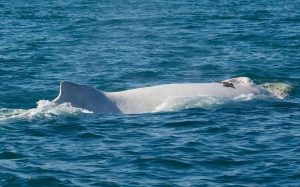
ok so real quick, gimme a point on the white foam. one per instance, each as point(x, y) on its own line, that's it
point(278, 90)
point(180, 103)
point(245, 97)
point(206, 102)
point(44, 109)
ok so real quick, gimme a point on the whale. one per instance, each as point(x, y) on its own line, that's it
point(149, 99)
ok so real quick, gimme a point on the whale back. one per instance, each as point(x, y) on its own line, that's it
point(85, 97)
point(148, 99)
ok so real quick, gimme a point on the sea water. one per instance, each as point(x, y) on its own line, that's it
point(119, 45)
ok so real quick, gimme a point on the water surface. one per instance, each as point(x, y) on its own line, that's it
point(118, 45)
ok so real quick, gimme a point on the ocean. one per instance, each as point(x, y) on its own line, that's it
point(121, 45)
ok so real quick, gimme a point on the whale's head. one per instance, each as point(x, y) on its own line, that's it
point(247, 84)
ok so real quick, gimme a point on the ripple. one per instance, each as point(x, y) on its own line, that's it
point(170, 163)
point(10, 155)
point(89, 135)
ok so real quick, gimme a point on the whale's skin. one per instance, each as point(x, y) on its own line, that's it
point(147, 99)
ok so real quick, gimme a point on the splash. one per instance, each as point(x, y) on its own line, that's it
point(180, 103)
point(278, 90)
point(44, 109)
point(207, 102)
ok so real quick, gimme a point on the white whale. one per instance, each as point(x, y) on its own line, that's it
point(149, 99)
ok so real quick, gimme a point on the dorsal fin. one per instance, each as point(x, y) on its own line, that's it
point(85, 97)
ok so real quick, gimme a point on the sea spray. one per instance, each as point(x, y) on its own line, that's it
point(279, 90)
point(44, 109)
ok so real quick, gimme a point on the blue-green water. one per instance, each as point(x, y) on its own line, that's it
point(118, 45)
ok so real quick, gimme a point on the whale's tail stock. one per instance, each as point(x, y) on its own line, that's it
point(85, 97)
